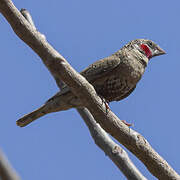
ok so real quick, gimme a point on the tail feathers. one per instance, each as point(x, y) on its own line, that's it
point(59, 102)
point(27, 119)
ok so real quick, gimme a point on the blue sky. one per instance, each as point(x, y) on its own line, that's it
point(59, 146)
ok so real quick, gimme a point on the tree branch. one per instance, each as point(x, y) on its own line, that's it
point(59, 68)
point(6, 171)
point(111, 149)
point(103, 141)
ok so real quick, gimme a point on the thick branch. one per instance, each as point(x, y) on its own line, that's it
point(6, 171)
point(59, 68)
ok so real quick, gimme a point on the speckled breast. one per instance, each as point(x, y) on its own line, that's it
point(121, 81)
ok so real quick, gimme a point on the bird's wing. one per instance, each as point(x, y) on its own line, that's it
point(93, 72)
point(96, 70)
point(100, 68)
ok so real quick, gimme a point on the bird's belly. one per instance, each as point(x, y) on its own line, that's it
point(120, 83)
point(114, 88)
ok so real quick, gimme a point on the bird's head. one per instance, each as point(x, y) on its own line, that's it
point(147, 47)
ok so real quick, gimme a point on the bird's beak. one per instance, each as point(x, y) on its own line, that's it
point(159, 51)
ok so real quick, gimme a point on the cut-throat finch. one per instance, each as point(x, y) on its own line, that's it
point(114, 78)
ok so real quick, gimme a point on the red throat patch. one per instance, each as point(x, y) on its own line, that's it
point(146, 50)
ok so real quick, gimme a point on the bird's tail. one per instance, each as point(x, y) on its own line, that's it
point(28, 118)
point(59, 102)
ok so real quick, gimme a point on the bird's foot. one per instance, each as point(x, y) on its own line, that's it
point(127, 124)
point(106, 103)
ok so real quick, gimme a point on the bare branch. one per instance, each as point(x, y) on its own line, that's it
point(113, 150)
point(6, 171)
point(59, 68)
point(28, 17)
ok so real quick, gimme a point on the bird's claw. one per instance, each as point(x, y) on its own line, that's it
point(127, 124)
point(105, 102)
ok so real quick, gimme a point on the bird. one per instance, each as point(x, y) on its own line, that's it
point(114, 78)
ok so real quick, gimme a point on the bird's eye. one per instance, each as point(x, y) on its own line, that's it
point(150, 44)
